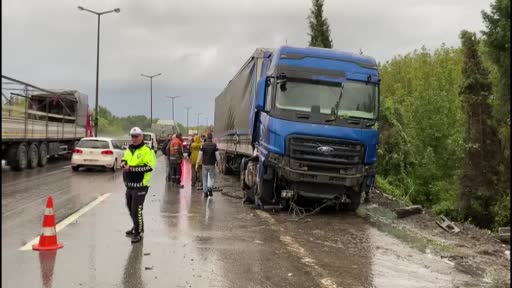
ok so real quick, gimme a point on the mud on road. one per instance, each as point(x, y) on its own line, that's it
point(479, 259)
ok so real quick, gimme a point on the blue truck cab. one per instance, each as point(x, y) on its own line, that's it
point(312, 115)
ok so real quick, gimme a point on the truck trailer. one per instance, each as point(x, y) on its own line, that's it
point(301, 123)
point(162, 129)
point(38, 124)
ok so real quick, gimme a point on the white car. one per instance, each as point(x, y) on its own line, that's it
point(150, 140)
point(95, 152)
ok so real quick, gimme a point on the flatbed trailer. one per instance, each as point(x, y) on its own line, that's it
point(38, 123)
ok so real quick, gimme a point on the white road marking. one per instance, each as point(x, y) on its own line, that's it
point(66, 167)
point(71, 218)
point(298, 251)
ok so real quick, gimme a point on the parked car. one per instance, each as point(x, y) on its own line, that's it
point(150, 140)
point(95, 152)
point(186, 146)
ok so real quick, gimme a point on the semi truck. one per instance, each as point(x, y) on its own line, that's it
point(300, 123)
point(162, 129)
point(38, 123)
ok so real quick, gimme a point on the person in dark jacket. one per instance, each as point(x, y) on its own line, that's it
point(165, 151)
point(138, 162)
point(209, 157)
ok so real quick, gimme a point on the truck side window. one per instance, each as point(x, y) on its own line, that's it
point(268, 100)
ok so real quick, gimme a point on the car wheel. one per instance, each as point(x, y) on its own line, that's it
point(75, 168)
point(114, 166)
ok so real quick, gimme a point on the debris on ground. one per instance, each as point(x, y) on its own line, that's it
point(408, 211)
point(448, 225)
point(504, 234)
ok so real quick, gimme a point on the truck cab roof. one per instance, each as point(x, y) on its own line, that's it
point(332, 54)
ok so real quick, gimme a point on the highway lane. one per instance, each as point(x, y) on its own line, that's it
point(195, 242)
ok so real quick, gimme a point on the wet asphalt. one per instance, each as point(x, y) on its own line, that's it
point(191, 241)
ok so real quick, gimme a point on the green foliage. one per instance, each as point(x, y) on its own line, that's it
point(114, 126)
point(320, 33)
point(496, 40)
point(422, 125)
point(481, 161)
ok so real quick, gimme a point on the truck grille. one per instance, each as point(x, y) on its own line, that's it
point(325, 150)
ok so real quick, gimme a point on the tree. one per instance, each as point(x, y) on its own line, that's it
point(496, 40)
point(320, 33)
point(479, 186)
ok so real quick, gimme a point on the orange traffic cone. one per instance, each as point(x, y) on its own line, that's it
point(48, 238)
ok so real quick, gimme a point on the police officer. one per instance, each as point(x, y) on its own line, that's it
point(138, 161)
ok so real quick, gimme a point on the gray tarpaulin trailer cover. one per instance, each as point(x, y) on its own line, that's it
point(233, 104)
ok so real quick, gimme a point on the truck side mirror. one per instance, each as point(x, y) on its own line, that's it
point(261, 90)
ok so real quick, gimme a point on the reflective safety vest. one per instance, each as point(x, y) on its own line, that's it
point(141, 161)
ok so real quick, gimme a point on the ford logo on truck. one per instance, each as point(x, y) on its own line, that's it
point(325, 149)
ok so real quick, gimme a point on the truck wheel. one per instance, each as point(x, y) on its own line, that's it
point(226, 170)
point(355, 201)
point(18, 157)
point(264, 193)
point(75, 168)
point(243, 165)
point(33, 156)
point(43, 154)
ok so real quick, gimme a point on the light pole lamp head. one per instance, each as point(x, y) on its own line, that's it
point(117, 10)
point(81, 8)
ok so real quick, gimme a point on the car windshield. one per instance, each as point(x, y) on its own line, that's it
point(147, 137)
point(93, 144)
point(359, 99)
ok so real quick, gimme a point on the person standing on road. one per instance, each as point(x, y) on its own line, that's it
point(138, 162)
point(194, 154)
point(165, 151)
point(209, 155)
point(176, 156)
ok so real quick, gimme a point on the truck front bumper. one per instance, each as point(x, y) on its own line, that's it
point(320, 173)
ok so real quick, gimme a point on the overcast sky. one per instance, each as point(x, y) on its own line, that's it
point(198, 45)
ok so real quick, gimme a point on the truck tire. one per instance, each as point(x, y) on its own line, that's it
point(264, 193)
point(33, 156)
point(355, 201)
point(18, 157)
point(226, 169)
point(43, 154)
point(243, 165)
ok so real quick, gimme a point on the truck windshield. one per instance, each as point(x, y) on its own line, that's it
point(147, 137)
point(359, 99)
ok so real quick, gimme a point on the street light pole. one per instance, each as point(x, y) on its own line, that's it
point(151, 93)
point(172, 101)
point(198, 114)
point(117, 10)
point(188, 108)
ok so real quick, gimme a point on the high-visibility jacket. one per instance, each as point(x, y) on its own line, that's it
point(142, 161)
point(194, 150)
point(176, 150)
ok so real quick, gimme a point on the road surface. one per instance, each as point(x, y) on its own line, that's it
point(195, 242)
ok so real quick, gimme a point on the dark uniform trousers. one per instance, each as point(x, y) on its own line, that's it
point(135, 201)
